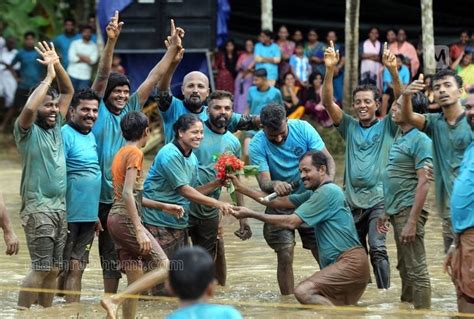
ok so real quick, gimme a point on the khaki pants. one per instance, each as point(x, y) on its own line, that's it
point(416, 287)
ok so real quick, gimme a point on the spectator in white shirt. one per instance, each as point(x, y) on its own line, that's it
point(8, 81)
point(83, 54)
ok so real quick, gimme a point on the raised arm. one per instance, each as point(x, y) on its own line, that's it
point(408, 116)
point(174, 46)
point(66, 90)
point(36, 99)
point(113, 30)
point(331, 58)
point(390, 62)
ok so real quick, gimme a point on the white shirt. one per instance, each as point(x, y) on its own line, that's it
point(81, 70)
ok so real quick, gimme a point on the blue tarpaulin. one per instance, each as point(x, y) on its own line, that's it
point(106, 10)
point(223, 14)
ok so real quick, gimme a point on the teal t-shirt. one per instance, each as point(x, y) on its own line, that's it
point(282, 161)
point(31, 72)
point(205, 311)
point(449, 144)
point(268, 51)
point(409, 153)
point(170, 170)
point(257, 100)
point(83, 175)
point(212, 145)
point(43, 177)
point(108, 135)
point(177, 108)
point(462, 199)
point(365, 159)
point(325, 209)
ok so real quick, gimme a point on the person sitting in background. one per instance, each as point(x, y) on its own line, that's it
point(268, 56)
point(287, 47)
point(225, 62)
point(313, 105)
point(243, 80)
point(387, 97)
point(371, 52)
point(291, 94)
point(457, 49)
point(83, 54)
point(465, 69)
point(300, 66)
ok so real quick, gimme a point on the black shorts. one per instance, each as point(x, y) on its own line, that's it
point(108, 254)
point(203, 232)
point(79, 241)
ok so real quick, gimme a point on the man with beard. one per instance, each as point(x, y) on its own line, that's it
point(276, 151)
point(82, 55)
point(368, 143)
point(344, 267)
point(451, 135)
point(195, 90)
point(204, 220)
point(83, 188)
point(37, 134)
point(115, 103)
point(459, 259)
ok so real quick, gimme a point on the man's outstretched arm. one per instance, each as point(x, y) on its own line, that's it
point(331, 58)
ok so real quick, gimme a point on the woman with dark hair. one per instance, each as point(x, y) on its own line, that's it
point(225, 62)
point(244, 79)
point(287, 47)
point(172, 179)
point(291, 94)
point(371, 57)
point(313, 105)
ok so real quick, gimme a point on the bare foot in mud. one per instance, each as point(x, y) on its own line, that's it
point(111, 306)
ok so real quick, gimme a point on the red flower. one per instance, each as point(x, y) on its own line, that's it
point(227, 164)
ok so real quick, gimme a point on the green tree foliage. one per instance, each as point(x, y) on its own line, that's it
point(19, 16)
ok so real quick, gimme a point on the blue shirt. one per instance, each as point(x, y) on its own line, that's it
point(268, 51)
point(403, 73)
point(365, 159)
point(282, 161)
point(83, 175)
point(325, 209)
point(177, 108)
point(212, 145)
point(31, 72)
point(62, 43)
point(108, 135)
point(462, 199)
point(169, 171)
point(257, 100)
point(205, 311)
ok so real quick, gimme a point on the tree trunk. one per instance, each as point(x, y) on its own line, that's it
point(429, 66)
point(351, 69)
point(267, 14)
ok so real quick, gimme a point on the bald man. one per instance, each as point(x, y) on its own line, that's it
point(195, 90)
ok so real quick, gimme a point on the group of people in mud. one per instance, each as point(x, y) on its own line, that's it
point(82, 175)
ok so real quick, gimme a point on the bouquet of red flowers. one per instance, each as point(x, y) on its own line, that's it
point(228, 163)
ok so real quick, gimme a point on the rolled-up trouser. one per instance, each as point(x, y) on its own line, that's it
point(416, 287)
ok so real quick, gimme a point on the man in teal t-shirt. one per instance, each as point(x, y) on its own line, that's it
point(405, 190)
point(217, 140)
point(83, 188)
point(451, 135)
point(368, 141)
point(344, 265)
point(276, 150)
point(267, 56)
point(115, 103)
point(38, 138)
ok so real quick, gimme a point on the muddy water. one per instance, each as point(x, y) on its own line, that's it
point(251, 284)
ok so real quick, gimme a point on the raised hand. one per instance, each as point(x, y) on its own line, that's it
point(388, 58)
point(49, 55)
point(331, 56)
point(175, 40)
point(114, 27)
point(415, 86)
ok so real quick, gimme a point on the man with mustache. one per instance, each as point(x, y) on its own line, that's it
point(459, 259)
point(83, 188)
point(451, 135)
point(204, 220)
point(276, 150)
point(195, 89)
point(368, 142)
point(38, 138)
point(115, 103)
